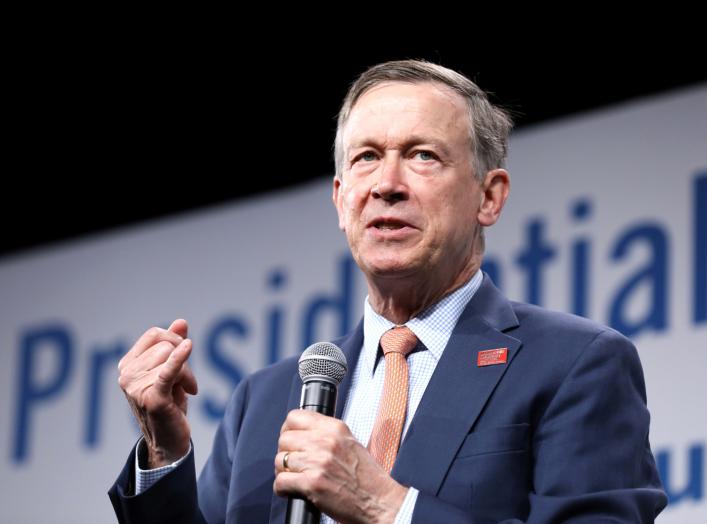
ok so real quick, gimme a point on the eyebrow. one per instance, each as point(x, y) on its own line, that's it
point(409, 143)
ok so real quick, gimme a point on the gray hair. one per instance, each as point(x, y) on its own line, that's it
point(489, 125)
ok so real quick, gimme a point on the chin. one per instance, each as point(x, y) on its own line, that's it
point(392, 268)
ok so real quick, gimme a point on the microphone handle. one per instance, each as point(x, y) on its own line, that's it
point(319, 396)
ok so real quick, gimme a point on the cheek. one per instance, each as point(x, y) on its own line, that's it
point(454, 220)
point(354, 198)
point(356, 194)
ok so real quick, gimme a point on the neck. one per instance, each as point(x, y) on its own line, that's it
point(400, 299)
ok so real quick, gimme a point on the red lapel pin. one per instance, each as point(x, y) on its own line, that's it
point(490, 357)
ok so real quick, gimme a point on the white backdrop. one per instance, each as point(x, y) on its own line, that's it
point(607, 217)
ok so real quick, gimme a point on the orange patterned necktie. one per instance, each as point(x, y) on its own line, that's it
point(397, 343)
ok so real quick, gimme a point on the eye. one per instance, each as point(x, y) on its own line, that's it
point(425, 156)
point(367, 156)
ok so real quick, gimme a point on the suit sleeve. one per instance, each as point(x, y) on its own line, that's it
point(214, 480)
point(591, 454)
point(173, 498)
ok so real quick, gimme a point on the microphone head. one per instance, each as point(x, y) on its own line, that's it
point(322, 361)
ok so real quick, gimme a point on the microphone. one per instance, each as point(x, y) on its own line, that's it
point(322, 367)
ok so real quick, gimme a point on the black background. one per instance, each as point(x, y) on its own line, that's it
point(109, 132)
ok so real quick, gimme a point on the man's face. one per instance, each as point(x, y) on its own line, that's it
point(408, 200)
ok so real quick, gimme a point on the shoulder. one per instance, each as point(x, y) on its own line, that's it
point(561, 341)
point(538, 322)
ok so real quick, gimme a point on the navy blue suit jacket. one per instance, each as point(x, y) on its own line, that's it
point(558, 433)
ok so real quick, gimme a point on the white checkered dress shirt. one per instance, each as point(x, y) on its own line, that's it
point(433, 327)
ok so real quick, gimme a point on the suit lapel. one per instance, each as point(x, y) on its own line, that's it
point(457, 391)
point(351, 346)
point(453, 400)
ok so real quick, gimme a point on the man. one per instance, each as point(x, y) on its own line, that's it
point(481, 409)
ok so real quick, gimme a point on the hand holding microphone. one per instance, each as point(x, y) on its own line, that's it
point(322, 367)
point(320, 465)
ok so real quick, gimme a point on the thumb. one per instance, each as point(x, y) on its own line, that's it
point(173, 365)
point(180, 327)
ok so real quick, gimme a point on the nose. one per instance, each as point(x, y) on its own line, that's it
point(391, 185)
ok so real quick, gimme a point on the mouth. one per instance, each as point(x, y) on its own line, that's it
point(388, 224)
point(390, 229)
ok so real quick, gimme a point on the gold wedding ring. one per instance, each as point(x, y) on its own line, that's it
point(284, 461)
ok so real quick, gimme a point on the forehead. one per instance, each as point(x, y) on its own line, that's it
point(395, 110)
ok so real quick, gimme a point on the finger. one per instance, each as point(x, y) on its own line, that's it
point(304, 419)
point(288, 483)
point(299, 439)
point(279, 461)
point(187, 380)
point(148, 339)
point(180, 397)
point(295, 419)
point(153, 357)
point(180, 327)
point(169, 371)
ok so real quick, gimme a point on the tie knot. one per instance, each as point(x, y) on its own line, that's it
point(399, 339)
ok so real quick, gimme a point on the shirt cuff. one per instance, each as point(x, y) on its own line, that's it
point(145, 478)
point(405, 512)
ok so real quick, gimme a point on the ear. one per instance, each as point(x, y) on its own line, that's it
point(495, 188)
point(337, 198)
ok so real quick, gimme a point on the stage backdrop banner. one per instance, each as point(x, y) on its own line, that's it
point(607, 218)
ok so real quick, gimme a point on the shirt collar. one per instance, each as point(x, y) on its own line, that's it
point(433, 327)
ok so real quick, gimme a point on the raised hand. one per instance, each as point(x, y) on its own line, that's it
point(155, 378)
